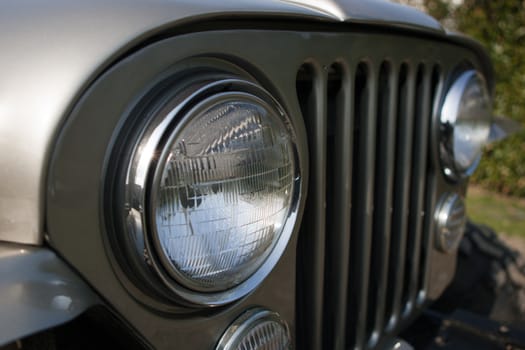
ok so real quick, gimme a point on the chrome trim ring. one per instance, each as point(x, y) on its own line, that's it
point(451, 220)
point(166, 119)
point(241, 327)
point(449, 115)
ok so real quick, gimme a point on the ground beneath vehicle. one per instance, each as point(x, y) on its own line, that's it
point(484, 307)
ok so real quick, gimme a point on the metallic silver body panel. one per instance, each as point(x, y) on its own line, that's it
point(53, 50)
point(38, 291)
point(372, 11)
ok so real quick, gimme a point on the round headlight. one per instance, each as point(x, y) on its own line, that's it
point(218, 190)
point(466, 118)
point(256, 329)
point(451, 220)
point(223, 190)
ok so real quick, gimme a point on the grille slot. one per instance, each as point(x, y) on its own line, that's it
point(340, 169)
point(435, 85)
point(311, 87)
point(383, 199)
point(417, 191)
point(365, 236)
point(362, 198)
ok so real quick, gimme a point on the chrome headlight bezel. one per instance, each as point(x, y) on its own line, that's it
point(167, 116)
point(452, 114)
point(450, 220)
point(243, 330)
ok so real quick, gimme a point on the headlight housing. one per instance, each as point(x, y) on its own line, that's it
point(212, 190)
point(451, 220)
point(466, 117)
point(256, 329)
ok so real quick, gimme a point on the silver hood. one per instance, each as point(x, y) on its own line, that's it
point(52, 50)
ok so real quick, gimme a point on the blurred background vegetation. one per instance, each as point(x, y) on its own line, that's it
point(500, 26)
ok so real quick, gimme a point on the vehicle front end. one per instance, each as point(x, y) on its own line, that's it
point(233, 176)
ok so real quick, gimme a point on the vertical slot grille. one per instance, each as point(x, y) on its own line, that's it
point(363, 168)
point(383, 200)
point(429, 206)
point(311, 88)
point(417, 190)
point(368, 128)
point(414, 209)
point(402, 181)
point(340, 117)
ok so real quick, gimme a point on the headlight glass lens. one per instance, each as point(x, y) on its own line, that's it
point(466, 120)
point(256, 329)
point(224, 191)
point(451, 220)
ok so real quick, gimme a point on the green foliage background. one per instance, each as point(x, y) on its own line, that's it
point(500, 26)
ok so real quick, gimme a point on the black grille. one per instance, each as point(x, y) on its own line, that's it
point(365, 239)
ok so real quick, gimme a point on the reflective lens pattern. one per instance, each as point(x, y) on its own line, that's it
point(451, 221)
point(256, 329)
point(268, 335)
point(466, 120)
point(473, 124)
point(224, 193)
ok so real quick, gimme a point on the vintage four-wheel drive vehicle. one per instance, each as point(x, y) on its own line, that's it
point(231, 175)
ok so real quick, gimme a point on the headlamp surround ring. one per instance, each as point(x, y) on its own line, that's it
point(142, 243)
point(465, 120)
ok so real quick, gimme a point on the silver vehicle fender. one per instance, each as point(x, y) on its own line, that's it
point(38, 291)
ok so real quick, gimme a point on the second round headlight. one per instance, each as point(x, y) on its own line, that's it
point(217, 179)
point(466, 118)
